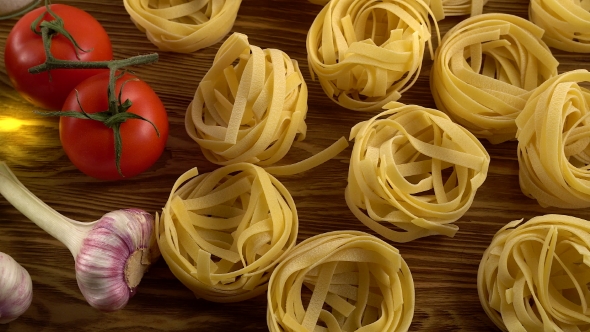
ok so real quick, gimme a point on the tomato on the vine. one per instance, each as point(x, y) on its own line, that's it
point(24, 49)
point(90, 144)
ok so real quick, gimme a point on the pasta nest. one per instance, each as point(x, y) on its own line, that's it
point(414, 169)
point(484, 72)
point(251, 112)
point(364, 280)
point(554, 142)
point(534, 276)
point(367, 53)
point(566, 23)
point(183, 26)
point(222, 233)
point(443, 8)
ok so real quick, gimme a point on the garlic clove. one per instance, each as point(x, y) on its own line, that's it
point(16, 289)
point(114, 256)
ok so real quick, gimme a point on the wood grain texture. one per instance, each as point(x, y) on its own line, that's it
point(444, 269)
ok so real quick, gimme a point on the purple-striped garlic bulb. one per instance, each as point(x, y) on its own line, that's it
point(16, 289)
point(111, 253)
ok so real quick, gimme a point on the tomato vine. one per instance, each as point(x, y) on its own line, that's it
point(116, 114)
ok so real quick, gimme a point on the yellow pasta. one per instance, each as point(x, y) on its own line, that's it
point(443, 8)
point(534, 276)
point(357, 282)
point(566, 23)
point(553, 142)
point(485, 70)
point(252, 111)
point(183, 26)
point(367, 53)
point(459, 7)
point(222, 233)
point(414, 169)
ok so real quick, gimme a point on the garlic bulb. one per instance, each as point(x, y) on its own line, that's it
point(16, 289)
point(111, 254)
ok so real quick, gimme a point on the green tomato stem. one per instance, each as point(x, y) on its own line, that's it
point(53, 63)
point(53, 27)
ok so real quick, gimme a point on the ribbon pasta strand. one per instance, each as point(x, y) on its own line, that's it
point(554, 142)
point(253, 111)
point(534, 276)
point(357, 282)
point(566, 23)
point(414, 169)
point(183, 26)
point(484, 72)
point(222, 233)
point(367, 53)
point(459, 7)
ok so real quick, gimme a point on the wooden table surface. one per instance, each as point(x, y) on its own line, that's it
point(444, 269)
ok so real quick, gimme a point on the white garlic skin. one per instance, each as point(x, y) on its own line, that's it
point(16, 289)
point(120, 247)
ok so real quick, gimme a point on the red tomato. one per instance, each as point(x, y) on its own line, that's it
point(90, 144)
point(24, 49)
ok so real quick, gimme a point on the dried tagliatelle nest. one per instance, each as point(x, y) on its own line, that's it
point(554, 142)
point(251, 111)
point(534, 276)
point(357, 283)
point(254, 110)
point(443, 8)
point(367, 53)
point(566, 23)
point(484, 72)
point(183, 26)
point(413, 172)
point(222, 233)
